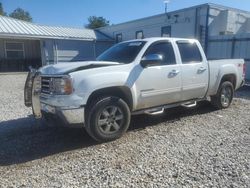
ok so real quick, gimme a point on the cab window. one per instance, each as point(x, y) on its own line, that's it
point(189, 52)
point(165, 49)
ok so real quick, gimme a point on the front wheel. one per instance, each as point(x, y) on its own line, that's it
point(107, 119)
point(224, 96)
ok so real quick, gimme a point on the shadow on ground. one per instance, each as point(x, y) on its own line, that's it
point(26, 139)
point(243, 92)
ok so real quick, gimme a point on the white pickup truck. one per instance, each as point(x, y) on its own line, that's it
point(138, 76)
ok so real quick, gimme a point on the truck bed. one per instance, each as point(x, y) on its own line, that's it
point(218, 68)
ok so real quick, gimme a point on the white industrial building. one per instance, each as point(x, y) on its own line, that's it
point(223, 31)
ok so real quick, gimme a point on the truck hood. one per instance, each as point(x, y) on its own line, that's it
point(66, 68)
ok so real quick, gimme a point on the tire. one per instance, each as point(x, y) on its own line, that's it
point(224, 96)
point(107, 119)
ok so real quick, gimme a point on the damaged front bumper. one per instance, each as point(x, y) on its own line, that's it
point(72, 117)
point(48, 107)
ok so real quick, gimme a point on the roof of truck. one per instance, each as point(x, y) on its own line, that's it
point(153, 39)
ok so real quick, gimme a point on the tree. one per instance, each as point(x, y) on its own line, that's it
point(96, 22)
point(21, 15)
point(2, 13)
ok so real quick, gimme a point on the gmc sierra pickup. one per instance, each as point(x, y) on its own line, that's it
point(132, 77)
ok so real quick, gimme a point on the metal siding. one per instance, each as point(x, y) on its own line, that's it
point(2, 49)
point(227, 49)
point(152, 32)
point(237, 51)
point(221, 47)
point(151, 26)
point(242, 49)
point(101, 47)
point(248, 70)
point(32, 56)
point(189, 32)
point(203, 15)
point(68, 50)
point(31, 48)
point(48, 49)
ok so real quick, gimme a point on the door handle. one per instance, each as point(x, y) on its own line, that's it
point(173, 73)
point(201, 70)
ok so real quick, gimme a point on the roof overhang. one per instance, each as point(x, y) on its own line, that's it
point(34, 37)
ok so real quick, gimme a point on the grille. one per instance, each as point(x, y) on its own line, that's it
point(46, 85)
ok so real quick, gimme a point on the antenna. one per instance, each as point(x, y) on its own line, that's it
point(166, 5)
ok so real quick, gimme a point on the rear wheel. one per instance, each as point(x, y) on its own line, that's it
point(224, 96)
point(108, 119)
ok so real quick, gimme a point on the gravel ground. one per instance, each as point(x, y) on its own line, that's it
point(192, 148)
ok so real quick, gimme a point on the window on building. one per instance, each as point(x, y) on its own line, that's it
point(190, 52)
point(118, 38)
point(14, 50)
point(139, 35)
point(166, 31)
point(165, 49)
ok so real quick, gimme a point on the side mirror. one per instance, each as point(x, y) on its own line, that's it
point(151, 60)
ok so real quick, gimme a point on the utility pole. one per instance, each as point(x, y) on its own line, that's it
point(166, 5)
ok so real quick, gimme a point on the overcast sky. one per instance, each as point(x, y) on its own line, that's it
point(74, 13)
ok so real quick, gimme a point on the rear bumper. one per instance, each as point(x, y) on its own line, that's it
point(71, 117)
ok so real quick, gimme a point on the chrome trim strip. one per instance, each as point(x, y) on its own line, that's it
point(194, 86)
point(151, 93)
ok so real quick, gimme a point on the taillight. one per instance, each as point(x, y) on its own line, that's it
point(244, 69)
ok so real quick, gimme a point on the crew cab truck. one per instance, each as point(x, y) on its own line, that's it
point(132, 77)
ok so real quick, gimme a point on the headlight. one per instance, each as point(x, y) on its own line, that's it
point(62, 86)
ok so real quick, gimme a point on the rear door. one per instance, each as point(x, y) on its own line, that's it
point(194, 68)
point(159, 84)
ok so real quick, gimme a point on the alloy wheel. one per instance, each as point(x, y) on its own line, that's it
point(110, 119)
point(226, 96)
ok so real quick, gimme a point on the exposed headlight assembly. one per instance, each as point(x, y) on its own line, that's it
point(62, 86)
point(57, 85)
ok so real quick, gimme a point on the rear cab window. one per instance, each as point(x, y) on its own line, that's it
point(189, 51)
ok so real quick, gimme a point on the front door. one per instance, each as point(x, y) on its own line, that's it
point(159, 84)
point(194, 70)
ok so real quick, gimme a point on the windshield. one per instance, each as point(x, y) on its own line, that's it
point(123, 52)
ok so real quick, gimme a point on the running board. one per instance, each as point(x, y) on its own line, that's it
point(160, 109)
point(155, 111)
point(189, 104)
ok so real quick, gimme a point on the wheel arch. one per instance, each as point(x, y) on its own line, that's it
point(118, 91)
point(229, 77)
point(226, 77)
